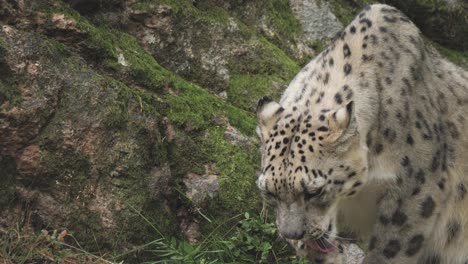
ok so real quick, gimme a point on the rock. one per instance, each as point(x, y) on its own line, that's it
point(316, 18)
point(354, 254)
point(160, 178)
point(220, 121)
point(201, 188)
point(29, 162)
point(236, 138)
point(223, 95)
point(64, 23)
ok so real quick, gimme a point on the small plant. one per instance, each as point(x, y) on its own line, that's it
point(253, 237)
point(19, 245)
point(250, 240)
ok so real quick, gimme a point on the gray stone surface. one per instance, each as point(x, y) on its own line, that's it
point(316, 18)
point(354, 254)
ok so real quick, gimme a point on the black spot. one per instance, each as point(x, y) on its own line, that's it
point(367, 21)
point(420, 177)
point(416, 191)
point(283, 151)
point(322, 117)
point(390, 19)
point(390, 135)
point(432, 259)
point(453, 227)
point(352, 174)
point(405, 161)
point(372, 243)
point(331, 62)
point(409, 139)
point(461, 191)
point(338, 98)
point(347, 69)
point(286, 140)
point(352, 29)
point(378, 148)
point(399, 218)
point(384, 220)
point(311, 149)
point(414, 245)
point(303, 159)
point(441, 184)
point(327, 78)
point(357, 184)
point(346, 50)
point(383, 29)
point(338, 182)
point(391, 249)
point(427, 207)
point(322, 129)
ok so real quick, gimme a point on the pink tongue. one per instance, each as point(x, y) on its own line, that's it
point(314, 245)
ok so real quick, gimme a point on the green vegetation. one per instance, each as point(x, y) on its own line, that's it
point(57, 246)
point(249, 240)
point(284, 23)
point(241, 239)
point(346, 10)
point(7, 179)
point(9, 92)
point(457, 57)
point(237, 173)
point(244, 90)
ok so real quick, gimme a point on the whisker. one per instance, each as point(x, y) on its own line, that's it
point(339, 237)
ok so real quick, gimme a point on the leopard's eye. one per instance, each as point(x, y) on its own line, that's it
point(313, 194)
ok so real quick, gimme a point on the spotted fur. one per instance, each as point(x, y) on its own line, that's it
point(372, 134)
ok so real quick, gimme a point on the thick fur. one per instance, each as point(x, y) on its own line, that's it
point(372, 134)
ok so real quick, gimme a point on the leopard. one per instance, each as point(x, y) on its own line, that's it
point(371, 137)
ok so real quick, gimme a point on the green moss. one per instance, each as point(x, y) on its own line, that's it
point(266, 59)
point(9, 92)
point(245, 90)
point(442, 23)
point(344, 10)
point(320, 45)
point(238, 168)
point(207, 13)
point(457, 57)
point(284, 22)
point(242, 120)
point(71, 169)
point(192, 106)
point(8, 174)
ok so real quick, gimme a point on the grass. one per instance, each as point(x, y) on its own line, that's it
point(243, 238)
point(240, 239)
point(19, 246)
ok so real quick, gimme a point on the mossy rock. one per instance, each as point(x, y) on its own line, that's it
point(443, 24)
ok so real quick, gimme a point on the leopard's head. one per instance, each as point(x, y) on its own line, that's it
point(311, 159)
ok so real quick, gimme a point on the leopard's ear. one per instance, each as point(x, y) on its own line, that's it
point(339, 121)
point(342, 116)
point(268, 112)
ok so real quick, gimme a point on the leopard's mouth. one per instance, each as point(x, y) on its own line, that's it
point(321, 244)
